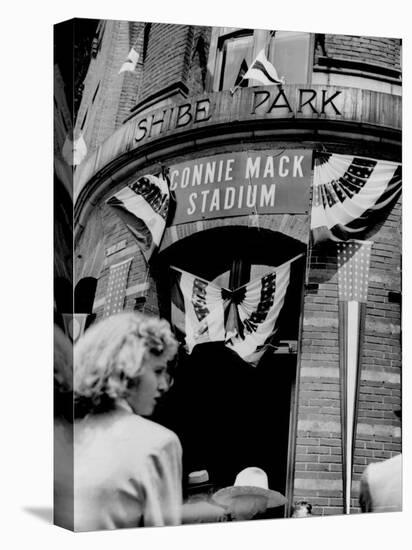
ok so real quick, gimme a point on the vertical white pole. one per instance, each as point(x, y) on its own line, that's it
point(352, 353)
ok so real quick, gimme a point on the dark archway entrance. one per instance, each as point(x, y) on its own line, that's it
point(228, 414)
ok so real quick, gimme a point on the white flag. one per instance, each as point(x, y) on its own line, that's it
point(74, 151)
point(131, 62)
point(263, 71)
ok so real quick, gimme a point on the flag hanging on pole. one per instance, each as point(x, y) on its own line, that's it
point(131, 61)
point(244, 318)
point(349, 192)
point(353, 276)
point(143, 206)
point(263, 71)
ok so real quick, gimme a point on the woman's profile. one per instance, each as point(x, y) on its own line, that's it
point(127, 469)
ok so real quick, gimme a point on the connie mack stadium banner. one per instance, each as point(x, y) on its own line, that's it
point(242, 183)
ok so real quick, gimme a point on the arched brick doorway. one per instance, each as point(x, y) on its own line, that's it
point(227, 413)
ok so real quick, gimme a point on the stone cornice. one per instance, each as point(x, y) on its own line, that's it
point(258, 114)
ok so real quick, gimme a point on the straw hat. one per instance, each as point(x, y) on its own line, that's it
point(251, 481)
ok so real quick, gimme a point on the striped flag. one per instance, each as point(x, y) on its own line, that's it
point(244, 318)
point(263, 71)
point(349, 192)
point(258, 310)
point(116, 288)
point(353, 276)
point(197, 309)
point(131, 61)
point(143, 206)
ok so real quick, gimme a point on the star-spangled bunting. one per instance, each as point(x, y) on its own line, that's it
point(349, 193)
point(244, 318)
point(143, 207)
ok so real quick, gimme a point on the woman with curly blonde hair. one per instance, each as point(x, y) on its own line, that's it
point(127, 469)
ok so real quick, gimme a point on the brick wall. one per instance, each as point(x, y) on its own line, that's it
point(131, 80)
point(168, 57)
point(318, 451)
point(196, 80)
point(103, 86)
point(368, 49)
point(116, 231)
point(176, 54)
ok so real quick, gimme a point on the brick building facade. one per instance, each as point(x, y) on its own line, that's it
point(155, 117)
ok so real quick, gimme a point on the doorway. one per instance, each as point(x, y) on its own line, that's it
point(227, 413)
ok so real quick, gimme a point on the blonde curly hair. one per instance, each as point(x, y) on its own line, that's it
point(111, 354)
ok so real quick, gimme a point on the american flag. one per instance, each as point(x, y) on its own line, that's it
point(353, 276)
point(353, 270)
point(349, 193)
point(201, 310)
point(143, 206)
point(116, 288)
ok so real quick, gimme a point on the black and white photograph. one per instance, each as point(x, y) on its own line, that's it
point(205, 281)
point(234, 295)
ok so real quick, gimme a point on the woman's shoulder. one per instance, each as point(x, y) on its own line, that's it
point(147, 433)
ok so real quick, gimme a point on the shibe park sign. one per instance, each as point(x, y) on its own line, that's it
point(275, 102)
point(249, 112)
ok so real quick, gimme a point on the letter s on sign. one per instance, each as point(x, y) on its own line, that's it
point(192, 208)
point(142, 126)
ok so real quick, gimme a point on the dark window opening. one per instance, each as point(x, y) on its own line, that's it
point(236, 52)
point(63, 295)
point(146, 34)
point(84, 294)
